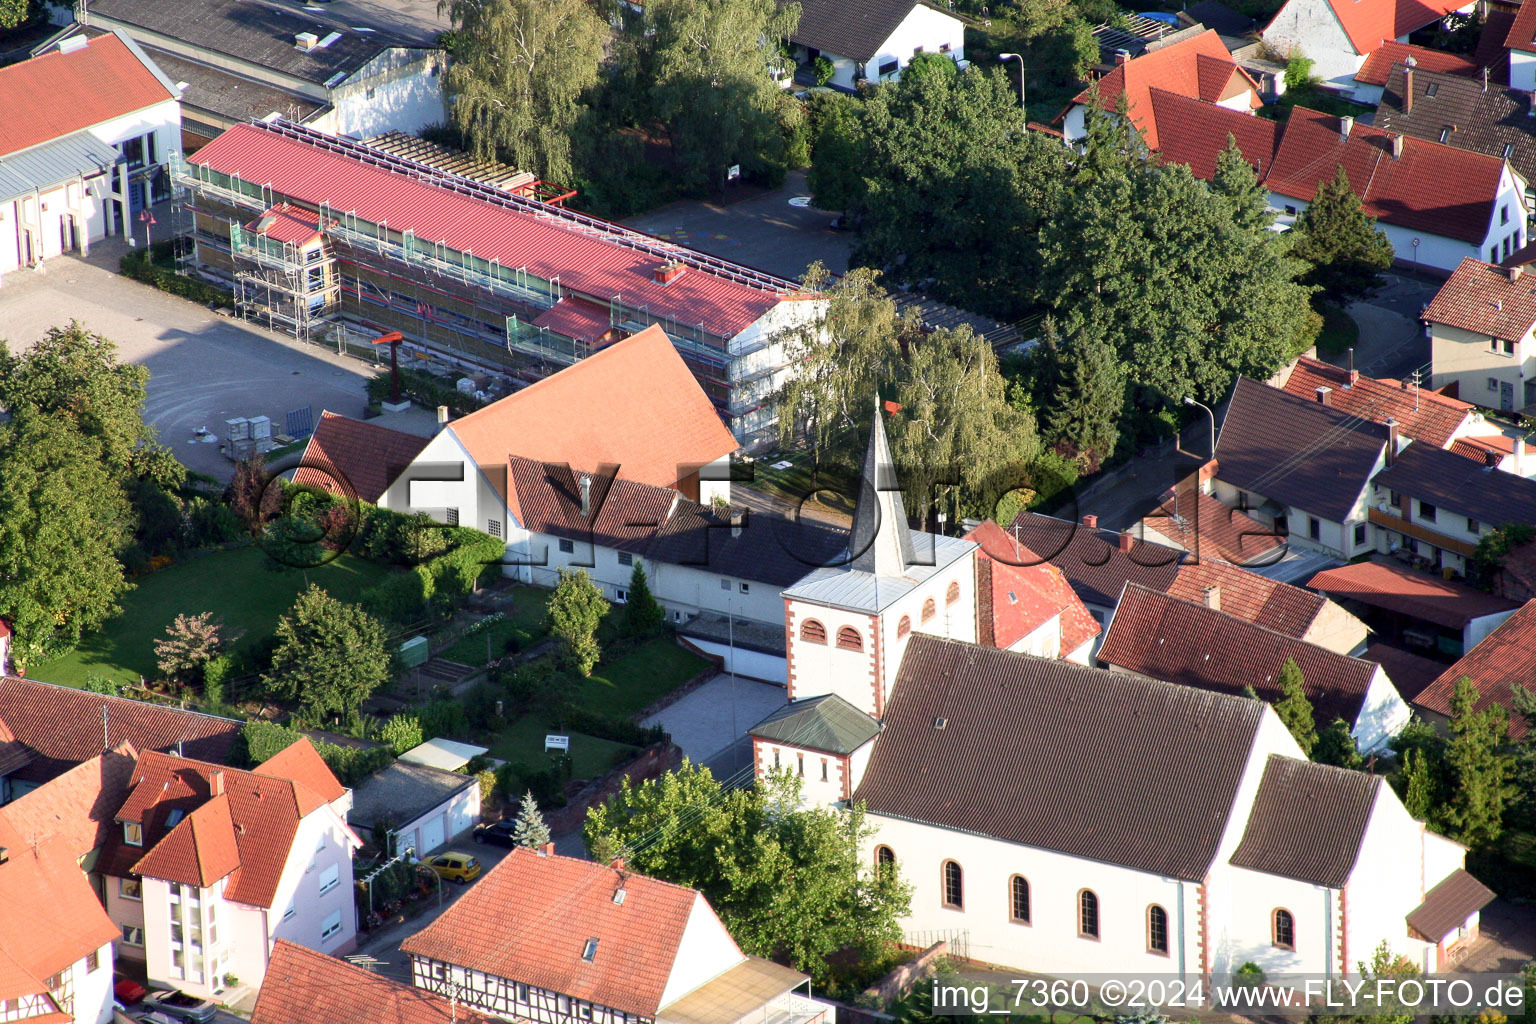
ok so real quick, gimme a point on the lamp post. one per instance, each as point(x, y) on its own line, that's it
point(1212, 415)
point(1020, 58)
point(148, 220)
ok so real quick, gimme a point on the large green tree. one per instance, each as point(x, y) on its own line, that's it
point(1346, 250)
point(519, 70)
point(330, 656)
point(1336, 746)
point(1478, 768)
point(789, 882)
point(14, 12)
point(1088, 396)
point(575, 609)
point(1293, 707)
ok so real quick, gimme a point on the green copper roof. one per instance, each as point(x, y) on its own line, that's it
point(827, 723)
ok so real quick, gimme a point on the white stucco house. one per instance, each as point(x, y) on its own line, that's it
point(1480, 327)
point(1338, 35)
point(872, 40)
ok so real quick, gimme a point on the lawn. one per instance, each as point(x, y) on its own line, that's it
point(527, 619)
point(638, 679)
point(523, 742)
point(242, 587)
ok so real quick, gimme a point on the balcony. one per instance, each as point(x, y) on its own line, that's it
point(1384, 515)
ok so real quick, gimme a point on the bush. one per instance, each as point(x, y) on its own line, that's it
point(426, 390)
point(400, 597)
point(210, 523)
point(825, 69)
point(443, 717)
point(217, 672)
point(135, 560)
point(619, 730)
point(547, 785)
point(480, 706)
point(259, 741)
point(136, 265)
point(401, 733)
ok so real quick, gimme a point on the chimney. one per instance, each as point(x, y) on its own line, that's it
point(618, 864)
point(215, 783)
point(1125, 541)
point(1408, 86)
point(1354, 374)
point(1091, 522)
point(1322, 395)
point(738, 521)
point(1492, 458)
point(1530, 105)
point(547, 850)
point(1391, 440)
point(305, 41)
point(668, 272)
point(1515, 272)
point(586, 496)
point(1519, 466)
point(1346, 123)
point(442, 417)
point(1122, 57)
point(1397, 147)
point(1213, 597)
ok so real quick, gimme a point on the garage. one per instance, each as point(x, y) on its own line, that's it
point(423, 807)
point(432, 836)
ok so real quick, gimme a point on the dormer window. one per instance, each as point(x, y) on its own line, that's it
point(174, 818)
point(133, 833)
point(589, 951)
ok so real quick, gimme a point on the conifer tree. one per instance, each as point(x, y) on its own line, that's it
point(1347, 250)
point(1293, 707)
point(530, 830)
point(1336, 746)
point(1089, 397)
point(643, 613)
point(1478, 770)
point(1236, 181)
point(1418, 795)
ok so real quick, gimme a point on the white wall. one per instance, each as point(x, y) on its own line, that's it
point(399, 90)
point(815, 669)
point(457, 815)
point(739, 661)
point(1383, 714)
point(1481, 626)
point(1522, 70)
point(1309, 28)
point(418, 490)
point(1387, 882)
point(93, 989)
point(814, 790)
point(923, 27)
point(705, 951)
point(1314, 910)
point(300, 888)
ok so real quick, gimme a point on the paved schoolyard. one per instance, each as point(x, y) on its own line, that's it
point(716, 715)
point(204, 368)
point(765, 231)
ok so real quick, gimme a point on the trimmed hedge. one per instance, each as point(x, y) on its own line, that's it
point(136, 264)
point(259, 741)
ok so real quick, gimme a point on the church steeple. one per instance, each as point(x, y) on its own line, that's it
point(880, 542)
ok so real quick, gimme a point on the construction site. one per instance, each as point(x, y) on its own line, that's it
point(335, 240)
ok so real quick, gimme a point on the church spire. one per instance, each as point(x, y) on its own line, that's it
point(881, 541)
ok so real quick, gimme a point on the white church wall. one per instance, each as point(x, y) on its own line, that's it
point(1255, 897)
point(818, 668)
point(1387, 882)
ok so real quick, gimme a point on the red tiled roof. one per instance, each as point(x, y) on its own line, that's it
point(1194, 133)
point(546, 246)
point(1496, 663)
point(366, 456)
point(1477, 448)
point(1384, 583)
point(199, 851)
point(1376, 67)
point(1199, 67)
point(1199, 522)
point(1522, 31)
point(302, 763)
point(529, 918)
point(1184, 642)
point(576, 318)
point(16, 981)
point(1250, 596)
point(1369, 23)
point(288, 223)
point(1409, 672)
point(1421, 414)
point(1480, 297)
point(635, 403)
point(60, 93)
point(79, 807)
point(1432, 187)
point(303, 986)
point(1027, 591)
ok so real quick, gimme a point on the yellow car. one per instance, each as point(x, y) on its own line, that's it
point(455, 867)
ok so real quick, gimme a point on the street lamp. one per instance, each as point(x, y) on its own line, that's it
point(1212, 415)
point(1020, 58)
point(147, 219)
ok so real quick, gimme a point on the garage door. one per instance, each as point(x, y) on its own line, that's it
point(431, 834)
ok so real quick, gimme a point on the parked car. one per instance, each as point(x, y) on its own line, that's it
point(152, 1017)
point(497, 833)
point(454, 867)
point(128, 992)
point(180, 1006)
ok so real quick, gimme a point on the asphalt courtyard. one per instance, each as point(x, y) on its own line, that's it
point(204, 368)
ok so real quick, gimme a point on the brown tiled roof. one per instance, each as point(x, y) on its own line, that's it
point(1025, 592)
point(79, 807)
point(1434, 188)
point(1385, 583)
point(303, 986)
point(1091, 558)
point(1477, 448)
point(63, 726)
point(1300, 453)
point(1194, 133)
point(1480, 297)
point(13, 753)
point(1307, 821)
point(1201, 523)
point(546, 498)
point(1449, 481)
point(1421, 414)
point(1186, 642)
point(1381, 60)
point(529, 918)
point(302, 763)
point(1248, 595)
point(1449, 904)
point(1409, 672)
point(1480, 120)
point(1496, 663)
point(366, 457)
point(769, 548)
point(1049, 754)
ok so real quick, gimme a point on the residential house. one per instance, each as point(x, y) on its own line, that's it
point(1520, 42)
point(1373, 74)
point(481, 277)
point(1190, 518)
point(1210, 842)
point(1198, 67)
point(1293, 611)
point(1410, 673)
point(83, 145)
point(1481, 346)
point(1496, 664)
point(421, 806)
point(1421, 414)
point(210, 865)
point(1191, 643)
point(1026, 603)
point(1438, 505)
point(1419, 610)
point(246, 60)
point(1502, 452)
point(356, 458)
point(1302, 466)
point(561, 940)
point(872, 40)
point(1338, 35)
point(303, 986)
point(52, 729)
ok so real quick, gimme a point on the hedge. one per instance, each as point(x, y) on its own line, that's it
point(259, 741)
point(424, 389)
point(136, 265)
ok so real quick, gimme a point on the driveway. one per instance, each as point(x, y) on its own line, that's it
point(711, 722)
point(776, 231)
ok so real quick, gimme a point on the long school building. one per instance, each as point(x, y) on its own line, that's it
point(317, 234)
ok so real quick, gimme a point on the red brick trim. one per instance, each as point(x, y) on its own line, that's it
point(1202, 901)
point(789, 650)
point(1344, 931)
point(878, 652)
point(845, 767)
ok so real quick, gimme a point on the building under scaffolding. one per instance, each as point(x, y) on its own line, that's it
point(313, 231)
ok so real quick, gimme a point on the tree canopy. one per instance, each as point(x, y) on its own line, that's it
point(1345, 249)
point(1478, 769)
point(1293, 707)
point(330, 656)
point(575, 609)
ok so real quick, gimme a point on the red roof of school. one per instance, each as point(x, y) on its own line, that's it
point(1369, 23)
point(1500, 660)
point(344, 452)
point(1421, 414)
point(1199, 67)
point(1432, 187)
point(545, 245)
point(1377, 66)
point(288, 223)
point(576, 318)
point(530, 917)
point(1027, 591)
point(303, 986)
point(58, 94)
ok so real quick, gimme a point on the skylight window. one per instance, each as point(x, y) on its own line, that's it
point(589, 952)
point(172, 819)
point(1431, 89)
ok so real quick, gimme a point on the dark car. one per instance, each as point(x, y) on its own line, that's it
point(180, 1006)
point(497, 833)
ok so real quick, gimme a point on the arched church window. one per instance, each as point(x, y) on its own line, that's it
point(850, 639)
point(929, 609)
